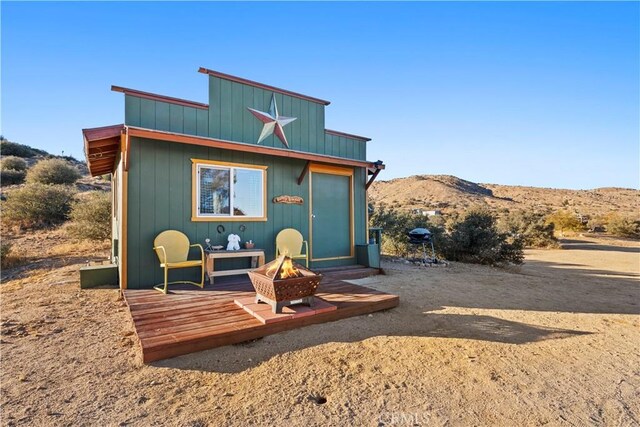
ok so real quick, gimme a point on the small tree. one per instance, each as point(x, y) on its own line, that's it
point(53, 171)
point(13, 163)
point(91, 216)
point(476, 239)
point(565, 220)
point(37, 205)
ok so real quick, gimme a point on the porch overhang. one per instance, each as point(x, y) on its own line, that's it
point(101, 148)
point(102, 145)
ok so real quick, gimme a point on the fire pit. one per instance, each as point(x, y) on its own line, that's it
point(282, 283)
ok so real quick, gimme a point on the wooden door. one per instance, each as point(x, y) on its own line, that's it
point(331, 211)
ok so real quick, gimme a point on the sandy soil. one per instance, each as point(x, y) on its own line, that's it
point(554, 342)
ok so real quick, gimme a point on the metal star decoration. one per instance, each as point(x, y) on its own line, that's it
point(273, 122)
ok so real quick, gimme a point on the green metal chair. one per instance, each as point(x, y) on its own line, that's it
point(289, 242)
point(172, 248)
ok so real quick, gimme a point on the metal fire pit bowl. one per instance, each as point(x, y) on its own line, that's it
point(280, 293)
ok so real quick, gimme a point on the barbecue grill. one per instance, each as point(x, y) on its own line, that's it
point(421, 237)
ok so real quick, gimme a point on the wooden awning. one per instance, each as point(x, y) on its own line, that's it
point(102, 145)
point(101, 148)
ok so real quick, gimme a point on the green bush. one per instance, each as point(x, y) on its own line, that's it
point(395, 225)
point(622, 226)
point(36, 205)
point(13, 163)
point(531, 227)
point(91, 216)
point(475, 239)
point(12, 177)
point(53, 171)
point(472, 237)
point(8, 148)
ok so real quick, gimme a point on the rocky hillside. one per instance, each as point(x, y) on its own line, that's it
point(449, 193)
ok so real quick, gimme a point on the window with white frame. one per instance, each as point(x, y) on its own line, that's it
point(228, 191)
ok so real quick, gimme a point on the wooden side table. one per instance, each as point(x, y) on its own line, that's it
point(257, 260)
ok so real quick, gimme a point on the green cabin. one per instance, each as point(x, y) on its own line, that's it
point(253, 161)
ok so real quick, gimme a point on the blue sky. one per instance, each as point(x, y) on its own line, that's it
point(543, 94)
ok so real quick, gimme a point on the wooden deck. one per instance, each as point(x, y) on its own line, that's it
point(190, 319)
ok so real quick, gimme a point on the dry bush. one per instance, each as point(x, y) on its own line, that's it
point(622, 226)
point(5, 250)
point(13, 163)
point(53, 171)
point(12, 177)
point(36, 205)
point(7, 258)
point(531, 227)
point(564, 220)
point(91, 216)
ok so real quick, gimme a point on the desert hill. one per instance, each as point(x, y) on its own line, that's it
point(449, 193)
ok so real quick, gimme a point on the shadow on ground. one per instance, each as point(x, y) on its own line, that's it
point(239, 357)
point(592, 246)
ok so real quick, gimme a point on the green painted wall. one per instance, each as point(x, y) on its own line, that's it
point(165, 116)
point(159, 198)
point(229, 119)
point(159, 182)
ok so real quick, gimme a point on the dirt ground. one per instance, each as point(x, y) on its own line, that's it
point(554, 342)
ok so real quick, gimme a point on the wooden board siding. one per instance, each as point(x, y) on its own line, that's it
point(343, 146)
point(229, 119)
point(165, 116)
point(159, 198)
point(193, 320)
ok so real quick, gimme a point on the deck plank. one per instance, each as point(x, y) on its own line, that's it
point(188, 320)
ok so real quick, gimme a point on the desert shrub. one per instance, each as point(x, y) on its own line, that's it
point(53, 171)
point(37, 205)
point(622, 226)
point(8, 148)
point(530, 227)
point(8, 257)
point(13, 163)
point(91, 216)
point(12, 177)
point(565, 220)
point(5, 250)
point(395, 224)
point(475, 238)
